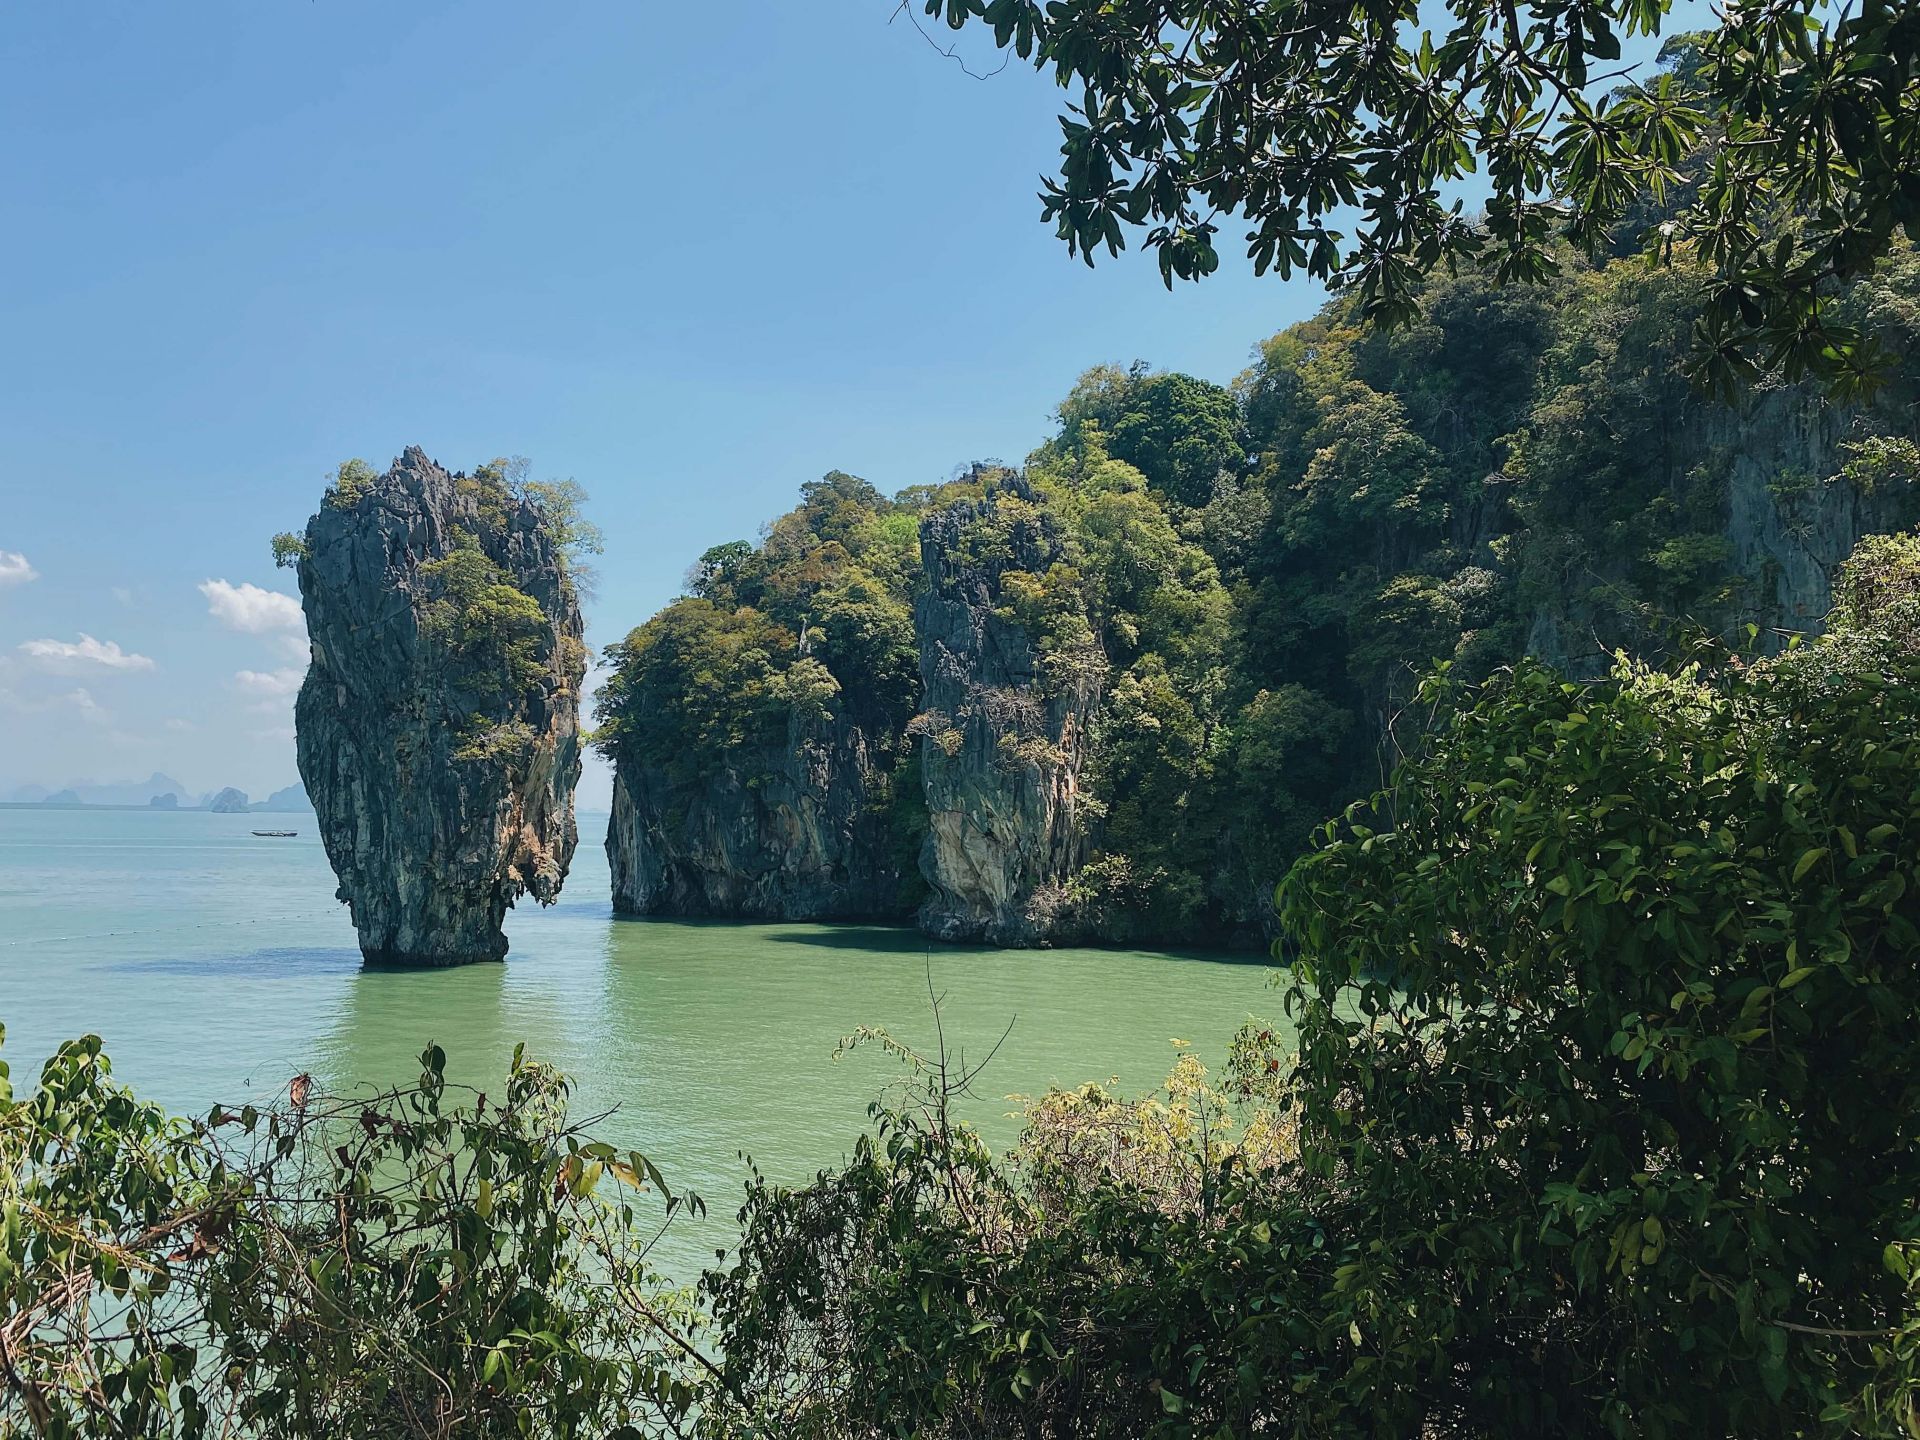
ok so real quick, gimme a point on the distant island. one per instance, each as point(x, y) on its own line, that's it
point(157, 792)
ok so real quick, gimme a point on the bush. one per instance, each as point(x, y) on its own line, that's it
point(1629, 1092)
point(1602, 1120)
point(422, 1262)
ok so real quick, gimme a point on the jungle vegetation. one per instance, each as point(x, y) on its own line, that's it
point(1255, 577)
point(1591, 1112)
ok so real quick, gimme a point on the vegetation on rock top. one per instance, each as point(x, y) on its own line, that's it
point(1255, 578)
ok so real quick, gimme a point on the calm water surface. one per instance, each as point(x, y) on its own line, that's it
point(217, 966)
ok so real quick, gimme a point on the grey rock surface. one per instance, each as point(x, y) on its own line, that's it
point(443, 788)
point(789, 832)
point(1003, 743)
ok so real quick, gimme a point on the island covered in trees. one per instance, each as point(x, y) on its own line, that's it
point(1107, 695)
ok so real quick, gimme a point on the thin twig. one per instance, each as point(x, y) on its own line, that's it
point(903, 8)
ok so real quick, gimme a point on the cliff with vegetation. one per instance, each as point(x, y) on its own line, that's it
point(438, 726)
point(758, 726)
point(1009, 692)
point(1138, 672)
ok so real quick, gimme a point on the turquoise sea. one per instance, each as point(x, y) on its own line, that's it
point(217, 966)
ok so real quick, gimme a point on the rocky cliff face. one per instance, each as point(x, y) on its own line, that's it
point(438, 727)
point(1790, 516)
point(789, 832)
point(1004, 733)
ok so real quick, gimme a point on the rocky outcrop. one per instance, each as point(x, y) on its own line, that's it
point(1791, 514)
point(438, 727)
point(1004, 724)
point(229, 802)
point(798, 831)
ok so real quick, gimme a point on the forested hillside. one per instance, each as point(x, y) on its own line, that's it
point(1107, 696)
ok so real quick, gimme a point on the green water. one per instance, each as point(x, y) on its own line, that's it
point(218, 966)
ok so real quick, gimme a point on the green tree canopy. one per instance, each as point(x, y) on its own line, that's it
point(696, 680)
point(1782, 150)
point(1178, 431)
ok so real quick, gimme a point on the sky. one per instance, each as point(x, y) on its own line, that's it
point(691, 256)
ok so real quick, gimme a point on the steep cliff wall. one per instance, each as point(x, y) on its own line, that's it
point(1004, 723)
point(438, 727)
point(1793, 515)
point(1786, 513)
point(757, 725)
point(794, 831)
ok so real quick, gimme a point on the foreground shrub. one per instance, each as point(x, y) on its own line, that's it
point(1605, 1099)
point(1633, 1118)
point(424, 1262)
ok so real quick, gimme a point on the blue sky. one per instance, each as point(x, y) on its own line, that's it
point(690, 255)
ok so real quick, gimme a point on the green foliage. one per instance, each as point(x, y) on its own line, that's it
point(1179, 431)
point(1879, 588)
point(488, 627)
point(1665, 917)
point(1777, 151)
point(562, 508)
point(1601, 1121)
point(492, 488)
point(420, 1262)
point(507, 742)
point(1881, 463)
point(289, 549)
point(923, 1289)
point(497, 651)
point(693, 684)
point(720, 569)
point(347, 484)
point(815, 624)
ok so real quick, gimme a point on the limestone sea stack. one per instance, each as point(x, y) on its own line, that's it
point(439, 724)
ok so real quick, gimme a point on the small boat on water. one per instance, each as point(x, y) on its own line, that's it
point(276, 834)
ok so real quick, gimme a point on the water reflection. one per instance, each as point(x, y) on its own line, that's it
point(218, 970)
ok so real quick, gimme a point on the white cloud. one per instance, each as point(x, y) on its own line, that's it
point(269, 684)
point(61, 654)
point(249, 608)
point(79, 700)
point(89, 708)
point(14, 569)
